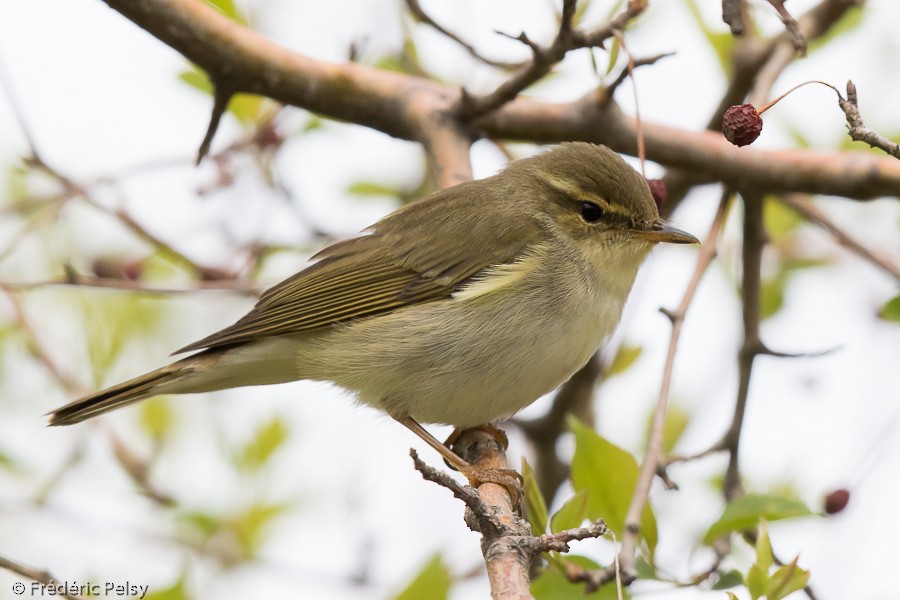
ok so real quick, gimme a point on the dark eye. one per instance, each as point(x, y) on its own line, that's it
point(590, 212)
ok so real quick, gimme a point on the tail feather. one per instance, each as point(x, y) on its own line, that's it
point(114, 397)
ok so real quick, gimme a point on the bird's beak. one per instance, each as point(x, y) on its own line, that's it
point(660, 232)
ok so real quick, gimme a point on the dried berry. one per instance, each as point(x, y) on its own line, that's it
point(658, 191)
point(741, 124)
point(837, 501)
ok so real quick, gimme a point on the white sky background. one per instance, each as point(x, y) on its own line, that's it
point(99, 95)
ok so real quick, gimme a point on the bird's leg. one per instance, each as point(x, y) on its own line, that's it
point(485, 441)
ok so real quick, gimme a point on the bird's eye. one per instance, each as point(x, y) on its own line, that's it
point(590, 212)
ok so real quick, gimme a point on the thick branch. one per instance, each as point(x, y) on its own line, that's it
point(406, 107)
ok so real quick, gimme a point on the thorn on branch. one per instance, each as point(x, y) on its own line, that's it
point(221, 96)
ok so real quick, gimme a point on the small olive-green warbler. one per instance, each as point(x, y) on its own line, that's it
point(461, 308)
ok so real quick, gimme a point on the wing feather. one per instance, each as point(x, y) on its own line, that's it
point(396, 265)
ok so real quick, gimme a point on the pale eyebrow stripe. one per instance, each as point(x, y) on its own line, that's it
point(576, 193)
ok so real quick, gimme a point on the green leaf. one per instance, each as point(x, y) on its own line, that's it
point(625, 357)
point(756, 580)
point(764, 556)
point(731, 596)
point(779, 220)
point(368, 188)
point(891, 310)
point(178, 591)
point(197, 79)
point(112, 321)
point(156, 417)
point(552, 584)
point(249, 527)
point(535, 505)
point(676, 423)
point(609, 475)
point(728, 579)
point(721, 42)
point(267, 439)
point(771, 295)
point(433, 581)
point(745, 512)
point(229, 9)
point(613, 56)
point(572, 514)
point(786, 580)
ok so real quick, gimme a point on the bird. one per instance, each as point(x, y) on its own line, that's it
point(461, 308)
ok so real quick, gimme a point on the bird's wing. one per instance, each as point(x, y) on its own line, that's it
point(398, 264)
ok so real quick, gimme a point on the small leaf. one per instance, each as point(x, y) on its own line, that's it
point(572, 514)
point(744, 513)
point(891, 310)
point(552, 584)
point(786, 580)
point(156, 417)
point(764, 556)
point(250, 526)
point(197, 79)
point(780, 220)
point(535, 505)
point(609, 475)
point(229, 9)
point(625, 357)
point(368, 188)
point(721, 42)
point(756, 580)
point(433, 581)
point(268, 438)
point(771, 295)
point(731, 596)
point(676, 423)
point(613, 56)
point(728, 579)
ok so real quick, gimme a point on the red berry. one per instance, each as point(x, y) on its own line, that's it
point(658, 191)
point(741, 124)
point(837, 501)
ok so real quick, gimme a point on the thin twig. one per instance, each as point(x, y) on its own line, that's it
point(639, 126)
point(41, 576)
point(791, 25)
point(754, 240)
point(544, 58)
point(79, 280)
point(420, 15)
point(657, 426)
point(814, 214)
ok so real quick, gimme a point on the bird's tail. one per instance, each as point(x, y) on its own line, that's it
point(259, 363)
point(125, 393)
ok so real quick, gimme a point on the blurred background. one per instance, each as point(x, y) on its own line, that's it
point(293, 490)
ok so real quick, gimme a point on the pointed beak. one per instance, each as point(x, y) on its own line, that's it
point(660, 232)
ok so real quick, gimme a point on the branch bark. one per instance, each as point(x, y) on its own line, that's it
point(411, 107)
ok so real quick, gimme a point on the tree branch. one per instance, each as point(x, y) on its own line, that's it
point(408, 107)
point(653, 453)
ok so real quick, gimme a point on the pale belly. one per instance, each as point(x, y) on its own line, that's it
point(466, 362)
